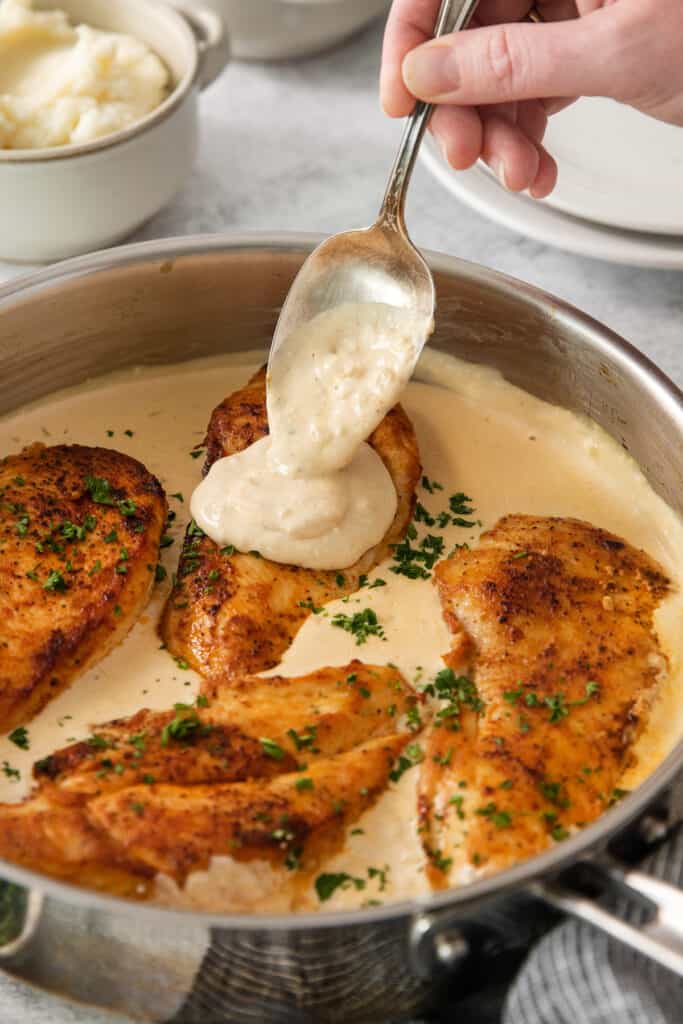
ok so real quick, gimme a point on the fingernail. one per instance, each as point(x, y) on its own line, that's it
point(431, 71)
point(498, 168)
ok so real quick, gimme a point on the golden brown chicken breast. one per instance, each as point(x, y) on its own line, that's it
point(332, 734)
point(79, 541)
point(558, 619)
point(231, 613)
point(293, 819)
point(261, 727)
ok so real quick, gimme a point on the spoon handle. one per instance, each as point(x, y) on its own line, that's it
point(453, 16)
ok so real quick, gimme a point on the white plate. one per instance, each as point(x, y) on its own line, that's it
point(618, 167)
point(540, 221)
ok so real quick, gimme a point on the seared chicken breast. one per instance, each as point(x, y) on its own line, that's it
point(79, 540)
point(261, 727)
point(555, 618)
point(311, 752)
point(295, 819)
point(231, 612)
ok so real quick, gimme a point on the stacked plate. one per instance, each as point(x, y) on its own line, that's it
point(620, 191)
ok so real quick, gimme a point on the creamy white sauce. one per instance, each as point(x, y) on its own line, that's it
point(323, 522)
point(62, 84)
point(478, 434)
point(311, 493)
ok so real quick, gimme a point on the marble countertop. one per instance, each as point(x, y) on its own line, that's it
point(304, 147)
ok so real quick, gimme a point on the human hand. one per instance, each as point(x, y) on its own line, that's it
point(497, 83)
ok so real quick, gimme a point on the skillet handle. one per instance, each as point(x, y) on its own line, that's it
point(660, 938)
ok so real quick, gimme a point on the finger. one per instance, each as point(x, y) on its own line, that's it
point(556, 104)
point(410, 23)
point(512, 157)
point(513, 62)
point(546, 176)
point(532, 119)
point(459, 133)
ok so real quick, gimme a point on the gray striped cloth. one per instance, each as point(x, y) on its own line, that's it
point(577, 975)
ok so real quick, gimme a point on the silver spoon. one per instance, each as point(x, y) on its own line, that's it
point(380, 263)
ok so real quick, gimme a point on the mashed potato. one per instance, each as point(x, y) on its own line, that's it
point(61, 85)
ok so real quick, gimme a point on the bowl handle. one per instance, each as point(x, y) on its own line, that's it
point(660, 937)
point(212, 39)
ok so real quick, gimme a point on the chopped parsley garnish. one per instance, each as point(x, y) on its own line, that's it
point(559, 833)
point(459, 504)
point(412, 755)
point(303, 740)
point(197, 453)
point(184, 727)
point(99, 490)
point(137, 808)
point(271, 748)
point(98, 742)
point(440, 862)
point(128, 433)
point(456, 801)
point(55, 581)
point(443, 759)
point(457, 692)
point(127, 507)
point(326, 885)
point(302, 784)
point(165, 541)
point(553, 793)
point(361, 625)
point(111, 537)
point(22, 525)
point(202, 701)
point(617, 795)
point(19, 737)
point(380, 874)
point(501, 819)
point(182, 664)
point(431, 485)
point(13, 774)
point(308, 603)
point(416, 562)
point(340, 579)
point(413, 718)
point(520, 554)
point(228, 550)
point(96, 566)
point(159, 573)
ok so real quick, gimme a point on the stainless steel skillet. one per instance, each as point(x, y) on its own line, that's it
point(177, 299)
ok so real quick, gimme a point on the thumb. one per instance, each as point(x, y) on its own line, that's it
point(502, 63)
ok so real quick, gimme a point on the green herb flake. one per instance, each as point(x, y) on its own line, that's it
point(19, 737)
point(55, 582)
point(13, 774)
point(271, 748)
point(327, 884)
point(361, 625)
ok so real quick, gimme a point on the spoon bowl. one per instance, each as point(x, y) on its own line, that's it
point(378, 264)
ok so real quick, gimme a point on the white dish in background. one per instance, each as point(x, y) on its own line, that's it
point(542, 222)
point(617, 166)
point(287, 29)
point(66, 200)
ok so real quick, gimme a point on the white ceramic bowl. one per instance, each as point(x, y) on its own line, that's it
point(73, 199)
point(282, 29)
